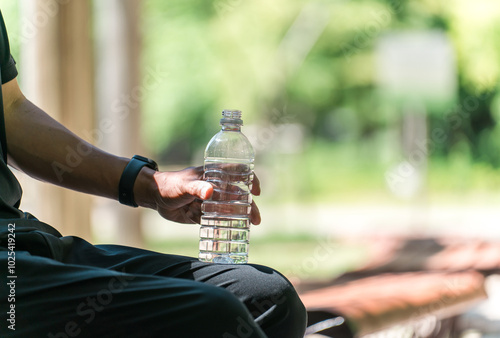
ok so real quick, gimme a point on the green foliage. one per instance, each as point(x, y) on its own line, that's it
point(258, 56)
point(10, 13)
point(315, 63)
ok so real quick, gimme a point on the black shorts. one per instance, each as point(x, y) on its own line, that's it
point(55, 286)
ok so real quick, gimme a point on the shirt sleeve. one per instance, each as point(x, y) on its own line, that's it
point(7, 64)
point(9, 71)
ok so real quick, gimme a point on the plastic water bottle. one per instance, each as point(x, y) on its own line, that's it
point(225, 221)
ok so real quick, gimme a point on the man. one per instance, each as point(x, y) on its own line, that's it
point(55, 286)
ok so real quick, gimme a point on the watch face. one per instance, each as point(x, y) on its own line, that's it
point(149, 162)
point(153, 165)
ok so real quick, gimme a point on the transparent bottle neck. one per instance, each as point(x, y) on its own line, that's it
point(231, 120)
point(230, 127)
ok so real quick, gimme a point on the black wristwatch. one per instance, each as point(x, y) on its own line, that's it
point(129, 175)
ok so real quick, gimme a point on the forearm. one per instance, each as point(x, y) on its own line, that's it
point(44, 149)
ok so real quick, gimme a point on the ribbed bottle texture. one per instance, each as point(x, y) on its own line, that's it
point(225, 221)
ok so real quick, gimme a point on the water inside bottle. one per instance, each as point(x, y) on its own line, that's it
point(225, 222)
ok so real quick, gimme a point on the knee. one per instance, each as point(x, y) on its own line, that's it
point(218, 301)
point(224, 315)
point(271, 288)
point(275, 300)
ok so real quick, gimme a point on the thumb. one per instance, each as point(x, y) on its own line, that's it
point(200, 189)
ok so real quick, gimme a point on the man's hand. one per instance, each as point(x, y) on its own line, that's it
point(44, 145)
point(177, 196)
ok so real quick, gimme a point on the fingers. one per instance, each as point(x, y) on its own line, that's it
point(204, 190)
point(255, 185)
point(183, 192)
point(197, 174)
point(199, 189)
point(255, 214)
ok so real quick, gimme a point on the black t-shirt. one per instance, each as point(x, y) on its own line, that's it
point(10, 190)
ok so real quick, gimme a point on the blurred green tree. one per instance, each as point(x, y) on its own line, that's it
point(316, 59)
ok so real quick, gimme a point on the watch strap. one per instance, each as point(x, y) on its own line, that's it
point(129, 176)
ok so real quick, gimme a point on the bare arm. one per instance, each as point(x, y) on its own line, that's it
point(44, 149)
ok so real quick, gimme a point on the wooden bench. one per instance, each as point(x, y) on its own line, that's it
point(375, 303)
point(384, 294)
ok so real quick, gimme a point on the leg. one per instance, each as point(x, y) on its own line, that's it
point(267, 295)
point(63, 300)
